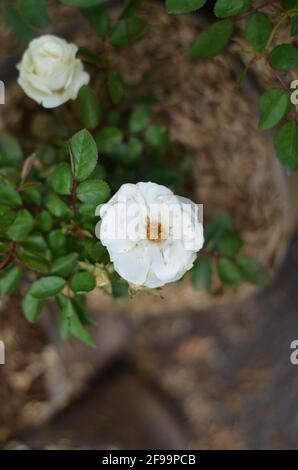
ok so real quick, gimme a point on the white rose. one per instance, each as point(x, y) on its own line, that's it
point(49, 71)
point(152, 236)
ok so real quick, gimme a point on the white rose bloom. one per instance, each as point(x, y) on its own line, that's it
point(152, 236)
point(49, 71)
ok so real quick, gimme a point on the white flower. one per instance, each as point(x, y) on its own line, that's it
point(152, 236)
point(49, 71)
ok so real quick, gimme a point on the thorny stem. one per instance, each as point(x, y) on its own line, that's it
point(10, 257)
point(277, 76)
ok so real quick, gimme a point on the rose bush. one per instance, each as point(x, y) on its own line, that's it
point(105, 143)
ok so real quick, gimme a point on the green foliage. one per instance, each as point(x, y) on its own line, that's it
point(98, 18)
point(33, 12)
point(217, 228)
point(93, 192)
point(9, 280)
point(157, 136)
point(32, 307)
point(253, 271)
point(89, 107)
point(70, 323)
point(109, 139)
point(274, 104)
point(21, 226)
point(83, 154)
point(225, 8)
point(184, 6)
point(9, 196)
point(229, 273)
point(83, 3)
point(82, 282)
point(46, 287)
point(258, 30)
point(20, 29)
point(286, 145)
point(284, 57)
point(128, 31)
point(213, 40)
point(115, 86)
point(229, 244)
point(202, 274)
point(139, 119)
point(10, 150)
point(61, 179)
point(51, 185)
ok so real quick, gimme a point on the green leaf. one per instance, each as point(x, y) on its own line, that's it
point(258, 30)
point(217, 228)
point(128, 31)
point(294, 25)
point(157, 136)
point(4, 246)
point(46, 287)
point(80, 332)
point(21, 227)
point(254, 271)
point(34, 12)
point(131, 8)
point(9, 280)
point(274, 105)
point(229, 273)
point(90, 111)
point(95, 250)
point(84, 154)
point(57, 242)
point(73, 325)
point(9, 196)
point(108, 139)
point(7, 216)
point(61, 179)
point(34, 261)
point(44, 221)
point(115, 86)
point(290, 4)
point(83, 3)
point(10, 150)
point(14, 21)
point(32, 307)
point(184, 6)
point(35, 243)
point(230, 244)
point(57, 207)
point(120, 288)
point(286, 145)
point(213, 40)
point(139, 119)
point(98, 18)
point(93, 192)
point(31, 195)
point(202, 274)
point(225, 8)
point(82, 282)
point(83, 314)
point(65, 265)
point(284, 57)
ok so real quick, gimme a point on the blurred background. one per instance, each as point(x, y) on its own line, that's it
point(185, 371)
